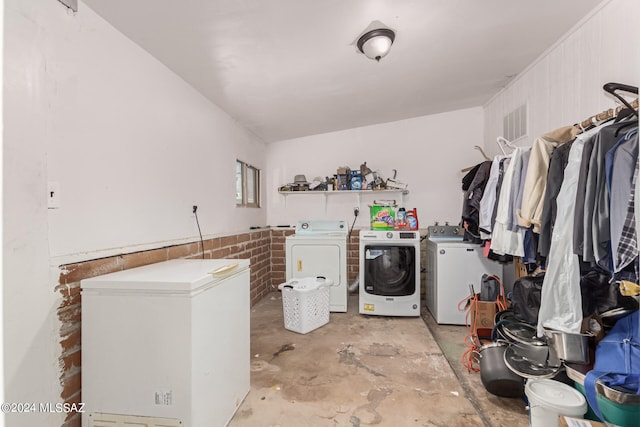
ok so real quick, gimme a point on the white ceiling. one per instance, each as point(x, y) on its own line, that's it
point(290, 68)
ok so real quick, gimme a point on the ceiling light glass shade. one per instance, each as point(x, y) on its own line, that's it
point(375, 44)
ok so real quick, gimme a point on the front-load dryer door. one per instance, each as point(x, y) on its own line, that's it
point(389, 270)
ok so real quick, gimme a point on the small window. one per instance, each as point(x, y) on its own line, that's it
point(247, 185)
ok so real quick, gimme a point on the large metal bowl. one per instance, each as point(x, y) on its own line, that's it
point(566, 347)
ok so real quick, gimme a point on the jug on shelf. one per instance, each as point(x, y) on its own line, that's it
point(412, 219)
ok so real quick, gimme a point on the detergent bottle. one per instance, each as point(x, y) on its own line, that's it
point(412, 219)
point(401, 219)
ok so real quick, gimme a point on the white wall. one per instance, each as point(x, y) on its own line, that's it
point(564, 86)
point(132, 147)
point(427, 152)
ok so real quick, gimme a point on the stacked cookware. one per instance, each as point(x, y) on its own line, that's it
point(518, 354)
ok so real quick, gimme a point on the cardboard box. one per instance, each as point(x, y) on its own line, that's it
point(483, 316)
point(565, 421)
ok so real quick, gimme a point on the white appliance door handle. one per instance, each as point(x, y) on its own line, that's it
point(224, 270)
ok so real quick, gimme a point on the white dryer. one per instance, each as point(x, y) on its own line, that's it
point(319, 248)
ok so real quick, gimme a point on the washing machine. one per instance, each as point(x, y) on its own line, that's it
point(319, 248)
point(454, 266)
point(389, 273)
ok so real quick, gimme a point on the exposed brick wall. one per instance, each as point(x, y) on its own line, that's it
point(278, 256)
point(256, 245)
point(353, 257)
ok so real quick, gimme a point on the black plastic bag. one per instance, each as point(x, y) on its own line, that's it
point(600, 296)
point(490, 288)
point(525, 299)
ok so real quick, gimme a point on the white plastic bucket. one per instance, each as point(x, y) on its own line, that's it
point(548, 399)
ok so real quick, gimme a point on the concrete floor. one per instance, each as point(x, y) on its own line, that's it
point(362, 370)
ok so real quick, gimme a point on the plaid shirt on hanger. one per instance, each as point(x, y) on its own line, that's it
point(627, 250)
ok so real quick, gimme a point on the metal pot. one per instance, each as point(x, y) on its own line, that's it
point(525, 342)
point(496, 377)
point(534, 352)
point(568, 347)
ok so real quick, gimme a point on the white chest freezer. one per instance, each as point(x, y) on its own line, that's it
point(168, 340)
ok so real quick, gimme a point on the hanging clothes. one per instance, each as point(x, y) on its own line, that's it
point(472, 196)
point(557, 164)
point(621, 180)
point(627, 249)
point(578, 216)
point(517, 188)
point(489, 197)
point(536, 179)
point(503, 240)
point(561, 301)
point(597, 233)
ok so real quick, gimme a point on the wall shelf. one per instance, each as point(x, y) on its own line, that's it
point(357, 193)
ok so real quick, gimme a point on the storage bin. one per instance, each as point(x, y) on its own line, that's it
point(548, 399)
point(620, 414)
point(305, 303)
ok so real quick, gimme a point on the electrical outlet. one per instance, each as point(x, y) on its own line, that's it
point(356, 211)
point(195, 208)
point(54, 199)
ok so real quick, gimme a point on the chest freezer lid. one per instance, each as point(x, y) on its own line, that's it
point(178, 275)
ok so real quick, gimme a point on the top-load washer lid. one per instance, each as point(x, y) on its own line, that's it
point(321, 227)
point(445, 233)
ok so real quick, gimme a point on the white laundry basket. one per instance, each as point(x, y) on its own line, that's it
point(306, 303)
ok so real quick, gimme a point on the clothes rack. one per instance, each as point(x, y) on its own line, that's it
point(605, 115)
point(612, 88)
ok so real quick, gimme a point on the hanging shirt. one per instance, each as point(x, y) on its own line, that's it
point(489, 197)
point(517, 188)
point(596, 209)
point(621, 208)
point(503, 240)
point(561, 300)
point(557, 164)
point(472, 197)
point(627, 250)
point(579, 239)
point(536, 179)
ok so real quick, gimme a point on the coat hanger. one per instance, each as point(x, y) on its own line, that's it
point(506, 142)
point(477, 147)
point(613, 87)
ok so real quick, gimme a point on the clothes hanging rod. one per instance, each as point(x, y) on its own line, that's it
point(607, 114)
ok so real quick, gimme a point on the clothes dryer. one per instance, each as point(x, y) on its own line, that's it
point(319, 248)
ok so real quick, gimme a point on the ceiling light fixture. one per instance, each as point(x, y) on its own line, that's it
point(375, 44)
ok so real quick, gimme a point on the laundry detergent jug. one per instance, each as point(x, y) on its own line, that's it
point(412, 219)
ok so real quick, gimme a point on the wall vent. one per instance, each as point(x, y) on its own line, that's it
point(514, 124)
